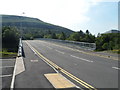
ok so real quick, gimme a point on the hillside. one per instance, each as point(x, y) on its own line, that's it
point(32, 25)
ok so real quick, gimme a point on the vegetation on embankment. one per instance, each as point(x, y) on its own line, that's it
point(31, 28)
point(10, 41)
point(8, 54)
point(109, 42)
point(104, 42)
point(112, 51)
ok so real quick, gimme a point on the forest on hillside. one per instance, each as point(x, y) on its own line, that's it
point(11, 35)
point(28, 25)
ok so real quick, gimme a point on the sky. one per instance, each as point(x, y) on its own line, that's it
point(97, 16)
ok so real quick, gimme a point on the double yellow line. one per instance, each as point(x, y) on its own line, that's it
point(81, 82)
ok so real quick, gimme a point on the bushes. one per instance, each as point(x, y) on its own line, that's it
point(82, 37)
point(108, 42)
point(10, 39)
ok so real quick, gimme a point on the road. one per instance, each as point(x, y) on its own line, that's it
point(98, 72)
point(35, 68)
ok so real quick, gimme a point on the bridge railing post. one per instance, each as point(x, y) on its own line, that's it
point(20, 48)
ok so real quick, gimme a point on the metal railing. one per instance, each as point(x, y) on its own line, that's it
point(20, 48)
point(75, 44)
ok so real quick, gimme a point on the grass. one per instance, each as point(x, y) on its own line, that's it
point(8, 54)
point(115, 51)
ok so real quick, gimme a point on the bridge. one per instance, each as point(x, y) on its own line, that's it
point(49, 63)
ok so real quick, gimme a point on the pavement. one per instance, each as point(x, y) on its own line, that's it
point(7, 72)
point(97, 71)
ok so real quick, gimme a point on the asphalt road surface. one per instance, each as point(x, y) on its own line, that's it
point(97, 71)
point(35, 68)
point(7, 71)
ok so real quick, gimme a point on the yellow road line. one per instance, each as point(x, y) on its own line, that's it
point(81, 82)
point(93, 54)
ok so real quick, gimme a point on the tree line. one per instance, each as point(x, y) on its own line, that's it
point(110, 41)
point(10, 39)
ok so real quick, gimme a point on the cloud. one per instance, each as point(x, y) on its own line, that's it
point(60, 12)
point(67, 12)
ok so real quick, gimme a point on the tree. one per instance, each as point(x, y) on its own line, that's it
point(105, 46)
point(62, 36)
point(98, 35)
point(47, 36)
point(108, 41)
point(49, 32)
point(87, 32)
point(10, 38)
point(28, 36)
point(75, 36)
point(53, 36)
point(82, 35)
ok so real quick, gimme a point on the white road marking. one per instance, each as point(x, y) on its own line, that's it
point(60, 52)
point(13, 78)
point(1, 76)
point(81, 58)
point(33, 51)
point(34, 60)
point(7, 59)
point(42, 58)
point(49, 47)
point(75, 64)
point(19, 67)
point(84, 52)
point(50, 64)
point(6, 66)
point(116, 68)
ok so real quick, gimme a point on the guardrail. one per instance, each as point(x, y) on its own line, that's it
point(19, 64)
point(20, 48)
point(75, 44)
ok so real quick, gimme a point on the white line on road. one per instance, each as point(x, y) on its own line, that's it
point(5, 75)
point(42, 58)
point(6, 66)
point(7, 59)
point(33, 51)
point(60, 52)
point(116, 68)
point(34, 60)
point(49, 47)
point(13, 77)
point(81, 58)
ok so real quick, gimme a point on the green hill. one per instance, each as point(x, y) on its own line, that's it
point(32, 25)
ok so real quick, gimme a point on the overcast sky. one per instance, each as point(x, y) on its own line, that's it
point(95, 15)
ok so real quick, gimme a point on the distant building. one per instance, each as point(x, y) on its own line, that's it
point(112, 31)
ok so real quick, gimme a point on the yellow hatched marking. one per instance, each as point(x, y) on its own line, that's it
point(58, 81)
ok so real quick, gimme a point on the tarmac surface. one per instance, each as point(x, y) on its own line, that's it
point(97, 71)
point(7, 71)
